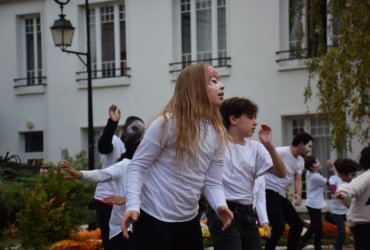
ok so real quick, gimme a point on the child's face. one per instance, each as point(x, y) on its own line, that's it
point(316, 166)
point(347, 177)
point(215, 88)
point(246, 125)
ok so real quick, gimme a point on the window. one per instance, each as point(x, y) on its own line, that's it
point(319, 129)
point(108, 40)
point(303, 29)
point(30, 52)
point(201, 32)
point(34, 147)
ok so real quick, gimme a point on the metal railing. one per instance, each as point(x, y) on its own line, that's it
point(215, 62)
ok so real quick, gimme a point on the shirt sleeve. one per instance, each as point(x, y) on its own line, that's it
point(260, 200)
point(264, 160)
point(213, 187)
point(319, 180)
point(113, 172)
point(357, 186)
point(148, 151)
point(105, 145)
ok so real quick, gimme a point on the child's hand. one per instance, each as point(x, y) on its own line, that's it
point(266, 226)
point(225, 215)
point(340, 196)
point(114, 113)
point(265, 134)
point(118, 200)
point(330, 164)
point(73, 173)
point(298, 199)
point(129, 218)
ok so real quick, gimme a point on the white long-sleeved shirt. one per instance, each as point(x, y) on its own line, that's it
point(259, 201)
point(108, 188)
point(315, 184)
point(115, 173)
point(359, 190)
point(169, 188)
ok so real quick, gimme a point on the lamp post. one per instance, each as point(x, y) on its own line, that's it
point(62, 31)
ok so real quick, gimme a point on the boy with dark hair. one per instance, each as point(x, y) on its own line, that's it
point(345, 171)
point(279, 209)
point(245, 160)
point(358, 216)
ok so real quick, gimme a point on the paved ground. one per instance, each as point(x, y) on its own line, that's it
point(309, 247)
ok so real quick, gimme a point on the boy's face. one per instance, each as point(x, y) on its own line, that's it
point(347, 177)
point(246, 125)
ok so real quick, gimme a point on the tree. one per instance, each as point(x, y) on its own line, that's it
point(341, 74)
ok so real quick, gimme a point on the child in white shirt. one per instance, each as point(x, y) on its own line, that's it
point(181, 154)
point(345, 168)
point(245, 160)
point(358, 216)
point(115, 173)
point(315, 184)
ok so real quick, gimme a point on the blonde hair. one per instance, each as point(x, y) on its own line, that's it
point(188, 105)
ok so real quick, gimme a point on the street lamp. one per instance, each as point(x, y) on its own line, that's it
point(62, 31)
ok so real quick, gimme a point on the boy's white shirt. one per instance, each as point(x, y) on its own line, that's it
point(359, 190)
point(293, 165)
point(108, 188)
point(315, 184)
point(115, 173)
point(168, 188)
point(337, 206)
point(242, 167)
point(259, 201)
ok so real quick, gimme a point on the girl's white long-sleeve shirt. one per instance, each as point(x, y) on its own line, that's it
point(359, 190)
point(259, 201)
point(108, 188)
point(115, 173)
point(169, 188)
point(315, 184)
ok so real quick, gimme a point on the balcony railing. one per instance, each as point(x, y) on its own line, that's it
point(214, 62)
point(29, 81)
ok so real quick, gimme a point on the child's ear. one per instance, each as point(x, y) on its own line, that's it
point(232, 119)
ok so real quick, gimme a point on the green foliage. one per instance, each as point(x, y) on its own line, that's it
point(46, 208)
point(341, 75)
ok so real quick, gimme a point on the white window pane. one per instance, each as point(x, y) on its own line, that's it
point(204, 33)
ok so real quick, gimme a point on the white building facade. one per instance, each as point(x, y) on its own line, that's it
point(137, 48)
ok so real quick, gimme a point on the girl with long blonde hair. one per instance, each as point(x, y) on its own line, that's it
point(180, 155)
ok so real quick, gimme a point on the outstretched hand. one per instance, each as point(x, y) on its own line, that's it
point(114, 113)
point(265, 134)
point(73, 173)
point(225, 215)
point(267, 228)
point(129, 218)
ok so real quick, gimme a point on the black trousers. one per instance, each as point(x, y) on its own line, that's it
point(242, 234)
point(361, 235)
point(315, 228)
point(279, 212)
point(103, 212)
point(151, 233)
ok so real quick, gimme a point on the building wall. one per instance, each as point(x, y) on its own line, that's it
point(254, 34)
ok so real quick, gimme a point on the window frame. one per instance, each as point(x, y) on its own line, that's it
point(221, 62)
